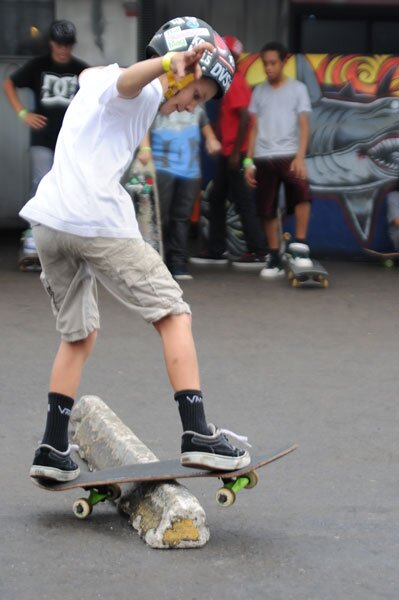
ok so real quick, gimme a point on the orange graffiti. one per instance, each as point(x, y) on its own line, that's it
point(364, 73)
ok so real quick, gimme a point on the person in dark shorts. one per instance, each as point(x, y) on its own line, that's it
point(86, 230)
point(277, 146)
point(53, 79)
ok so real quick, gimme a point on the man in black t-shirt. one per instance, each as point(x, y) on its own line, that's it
point(53, 78)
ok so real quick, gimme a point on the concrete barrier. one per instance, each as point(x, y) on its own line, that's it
point(166, 515)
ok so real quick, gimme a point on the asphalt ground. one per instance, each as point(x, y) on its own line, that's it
point(281, 365)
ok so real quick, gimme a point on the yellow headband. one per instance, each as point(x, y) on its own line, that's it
point(174, 86)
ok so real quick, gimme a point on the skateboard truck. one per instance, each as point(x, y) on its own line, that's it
point(226, 495)
point(83, 507)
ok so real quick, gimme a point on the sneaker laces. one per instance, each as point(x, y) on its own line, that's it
point(240, 438)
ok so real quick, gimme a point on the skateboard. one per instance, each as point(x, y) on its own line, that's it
point(306, 276)
point(142, 187)
point(105, 484)
point(29, 262)
point(312, 275)
point(388, 259)
point(28, 259)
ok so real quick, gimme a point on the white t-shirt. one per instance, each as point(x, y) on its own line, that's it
point(82, 193)
point(277, 111)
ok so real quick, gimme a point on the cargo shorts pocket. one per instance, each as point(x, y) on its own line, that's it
point(149, 281)
point(137, 276)
point(50, 293)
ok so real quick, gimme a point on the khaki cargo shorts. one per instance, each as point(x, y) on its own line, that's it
point(128, 268)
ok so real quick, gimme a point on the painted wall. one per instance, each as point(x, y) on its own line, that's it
point(106, 33)
point(254, 22)
point(14, 153)
point(353, 156)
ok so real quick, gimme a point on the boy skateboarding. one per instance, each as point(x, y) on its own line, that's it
point(85, 230)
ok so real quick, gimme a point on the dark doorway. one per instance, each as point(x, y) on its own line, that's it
point(344, 28)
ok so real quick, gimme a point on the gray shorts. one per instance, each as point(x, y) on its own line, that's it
point(129, 268)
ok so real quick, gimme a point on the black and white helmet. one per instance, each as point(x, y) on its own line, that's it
point(183, 33)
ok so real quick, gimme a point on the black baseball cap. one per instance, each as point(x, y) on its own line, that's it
point(63, 32)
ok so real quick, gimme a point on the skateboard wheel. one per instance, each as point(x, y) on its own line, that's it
point(295, 282)
point(225, 497)
point(290, 275)
point(324, 283)
point(114, 491)
point(82, 508)
point(253, 479)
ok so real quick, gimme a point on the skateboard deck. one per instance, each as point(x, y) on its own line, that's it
point(104, 484)
point(29, 262)
point(28, 259)
point(299, 276)
point(387, 258)
point(142, 187)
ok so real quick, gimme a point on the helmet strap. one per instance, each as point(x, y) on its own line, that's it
point(175, 86)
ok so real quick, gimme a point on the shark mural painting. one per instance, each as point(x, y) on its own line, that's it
point(354, 149)
point(353, 155)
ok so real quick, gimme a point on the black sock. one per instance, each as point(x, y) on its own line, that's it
point(191, 409)
point(300, 240)
point(59, 411)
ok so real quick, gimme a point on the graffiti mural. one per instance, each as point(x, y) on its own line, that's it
point(353, 156)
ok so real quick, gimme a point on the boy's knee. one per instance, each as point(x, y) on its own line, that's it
point(172, 320)
point(83, 345)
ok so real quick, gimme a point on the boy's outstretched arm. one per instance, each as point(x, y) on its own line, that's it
point(134, 78)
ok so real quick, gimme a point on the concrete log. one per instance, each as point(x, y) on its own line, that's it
point(166, 515)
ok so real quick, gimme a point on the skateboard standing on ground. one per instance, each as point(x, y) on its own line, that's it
point(142, 187)
point(28, 258)
point(388, 259)
point(105, 484)
point(309, 275)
